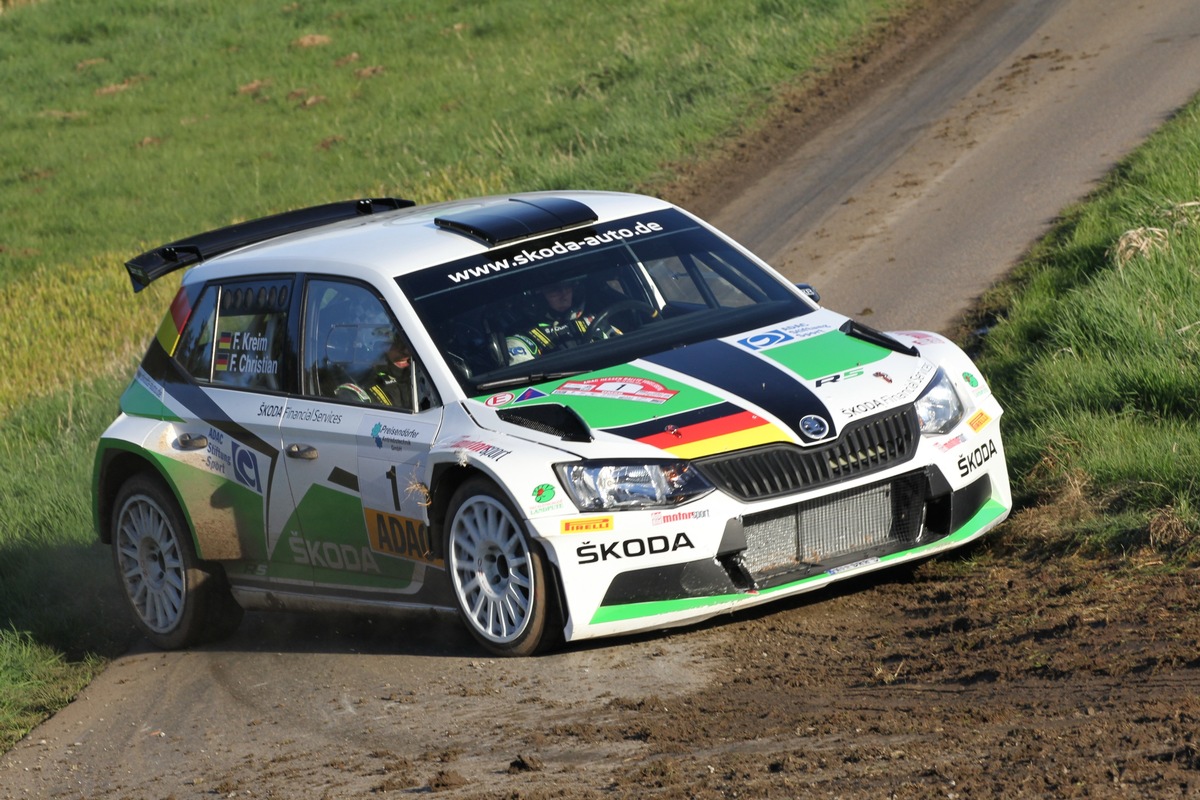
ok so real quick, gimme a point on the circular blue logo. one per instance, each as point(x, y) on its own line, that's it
point(814, 427)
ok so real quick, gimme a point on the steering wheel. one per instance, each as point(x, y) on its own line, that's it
point(601, 321)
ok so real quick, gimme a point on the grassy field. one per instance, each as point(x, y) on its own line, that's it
point(132, 122)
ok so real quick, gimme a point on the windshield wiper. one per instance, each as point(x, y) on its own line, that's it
point(524, 378)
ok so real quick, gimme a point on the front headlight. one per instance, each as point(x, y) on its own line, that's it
point(607, 486)
point(938, 407)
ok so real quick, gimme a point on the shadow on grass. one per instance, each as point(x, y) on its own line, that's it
point(65, 597)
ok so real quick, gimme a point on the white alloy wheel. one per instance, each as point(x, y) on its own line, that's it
point(177, 600)
point(498, 577)
point(150, 563)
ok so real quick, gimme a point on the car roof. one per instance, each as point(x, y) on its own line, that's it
point(396, 242)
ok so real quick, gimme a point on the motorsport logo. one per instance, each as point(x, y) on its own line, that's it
point(669, 517)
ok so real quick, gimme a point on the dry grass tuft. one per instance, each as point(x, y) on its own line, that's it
point(1169, 533)
point(1136, 243)
point(1183, 215)
point(1041, 527)
point(253, 87)
point(312, 40)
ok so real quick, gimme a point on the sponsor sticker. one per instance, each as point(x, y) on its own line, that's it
point(401, 537)
point(543, 493)
point(393, 437)
point(530, 394)
point(245, 467)
point(950, 444)
point(149, 384)
point(765, 340)
point(639, 389)
point(502, 399)
point(921, 337)
point(483, 449)
point(587, 525)
point(673, 517)
point(979, 421)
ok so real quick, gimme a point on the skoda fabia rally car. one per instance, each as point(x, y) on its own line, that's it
point(560, 415)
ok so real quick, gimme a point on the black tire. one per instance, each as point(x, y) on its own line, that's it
point(176, 599)
point(497, 573)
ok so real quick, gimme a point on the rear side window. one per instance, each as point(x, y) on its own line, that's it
point(237, 336)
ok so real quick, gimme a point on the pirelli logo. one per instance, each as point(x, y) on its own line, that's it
point(587, 525)
point(979, 421)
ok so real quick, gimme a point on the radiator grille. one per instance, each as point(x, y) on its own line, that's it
point(883, 516)
point(775, 470)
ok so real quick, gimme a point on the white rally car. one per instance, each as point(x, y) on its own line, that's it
point(562, 415)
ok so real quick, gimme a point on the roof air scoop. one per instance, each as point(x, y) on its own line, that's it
point(517, 219)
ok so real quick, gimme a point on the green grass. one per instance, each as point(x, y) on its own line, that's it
point(1097, 356)
point(128, 123)
point(35, 681)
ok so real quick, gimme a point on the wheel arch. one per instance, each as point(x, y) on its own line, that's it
point(115, 465)
point(444, 481)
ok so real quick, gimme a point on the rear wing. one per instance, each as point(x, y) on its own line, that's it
point(163, 260)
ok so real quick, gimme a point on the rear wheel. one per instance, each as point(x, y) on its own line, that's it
point(177, 600)
point(498, 574)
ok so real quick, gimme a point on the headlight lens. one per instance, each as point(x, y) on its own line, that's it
point(606, 486)
point(939, 408)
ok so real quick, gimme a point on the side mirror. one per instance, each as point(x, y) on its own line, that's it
point(812, 293)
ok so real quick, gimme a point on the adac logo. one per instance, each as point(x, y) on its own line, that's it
point(761, 341)
point(375, 431)
point(245, 467)
point(543, 493)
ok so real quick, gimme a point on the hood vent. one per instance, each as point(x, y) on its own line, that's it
point(549, 418)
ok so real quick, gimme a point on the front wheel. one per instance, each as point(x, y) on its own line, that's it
point(498, 574)
point(176, 599)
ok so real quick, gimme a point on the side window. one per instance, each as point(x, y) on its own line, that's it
point(701, 279)
point(356, 353)
point(237, 336)
point(194, 351)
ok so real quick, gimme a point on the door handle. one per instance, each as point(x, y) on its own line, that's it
point(303, 451)
point(187, 441)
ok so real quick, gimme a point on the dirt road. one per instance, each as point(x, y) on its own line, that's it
point(902, 188)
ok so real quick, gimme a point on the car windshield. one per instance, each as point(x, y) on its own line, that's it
point(586, 299)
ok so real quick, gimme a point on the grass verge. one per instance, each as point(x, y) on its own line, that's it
point(1095, 343)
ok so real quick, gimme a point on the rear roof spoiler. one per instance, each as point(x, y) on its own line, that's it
point(163, 260)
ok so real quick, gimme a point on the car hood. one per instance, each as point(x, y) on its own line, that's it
point(801, 382)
